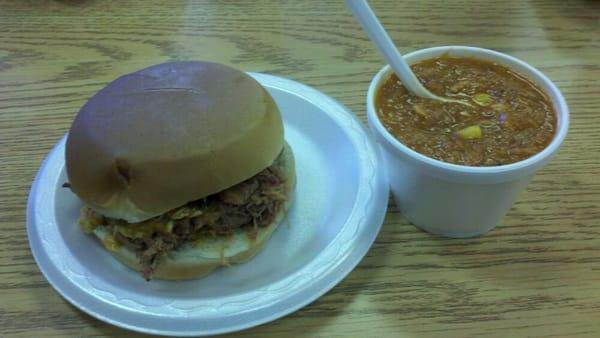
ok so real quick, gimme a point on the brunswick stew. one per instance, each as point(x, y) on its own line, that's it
point(509, 120)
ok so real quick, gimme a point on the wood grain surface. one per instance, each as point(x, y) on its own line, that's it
point(535, 275)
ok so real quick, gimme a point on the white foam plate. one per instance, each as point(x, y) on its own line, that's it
point(339, 205)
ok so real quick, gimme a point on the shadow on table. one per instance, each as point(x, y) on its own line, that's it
point(425, 283)
point(510, 256)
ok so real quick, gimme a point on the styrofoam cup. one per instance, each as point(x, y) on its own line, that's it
point(455, 200)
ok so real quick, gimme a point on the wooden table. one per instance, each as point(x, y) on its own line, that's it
point(535, 275)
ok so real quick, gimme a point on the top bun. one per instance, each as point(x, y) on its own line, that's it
point(163, 136)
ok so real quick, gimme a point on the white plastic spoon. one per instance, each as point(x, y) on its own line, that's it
point(367, 19)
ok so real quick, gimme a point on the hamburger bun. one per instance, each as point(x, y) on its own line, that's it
point(198, 259)
point(160, 137)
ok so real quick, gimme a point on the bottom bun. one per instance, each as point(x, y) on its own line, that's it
point(195, 260)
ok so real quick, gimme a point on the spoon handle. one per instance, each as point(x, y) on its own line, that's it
point(367, 19)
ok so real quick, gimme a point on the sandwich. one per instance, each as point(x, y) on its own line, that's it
point(182, 167)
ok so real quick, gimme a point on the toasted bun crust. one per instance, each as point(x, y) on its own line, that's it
point(158, 138)
point(201, 258)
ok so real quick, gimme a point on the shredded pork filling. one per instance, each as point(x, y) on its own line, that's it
point(249, 205)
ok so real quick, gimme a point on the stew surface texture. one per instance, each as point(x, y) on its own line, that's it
point(509, 120)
